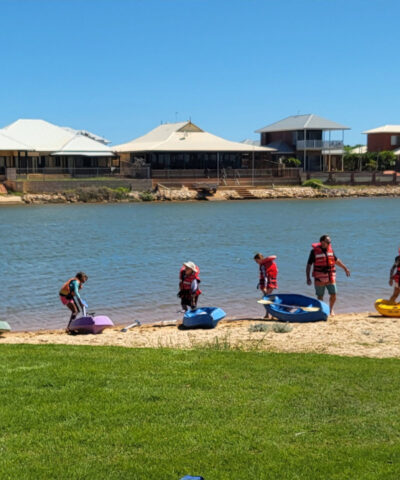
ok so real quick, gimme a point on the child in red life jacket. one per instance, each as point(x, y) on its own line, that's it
point(189, 285)
point(394, 276)
point(268, 273)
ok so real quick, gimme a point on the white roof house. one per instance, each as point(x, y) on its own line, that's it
point(184, 137)
point(41, 136)
point(384, 129)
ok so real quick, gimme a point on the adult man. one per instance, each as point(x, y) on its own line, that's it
point(324, 259)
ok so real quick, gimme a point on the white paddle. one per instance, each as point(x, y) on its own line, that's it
point(306, 309)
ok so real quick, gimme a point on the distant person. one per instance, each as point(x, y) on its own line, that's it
point(268, 281)
point(394, 277)
point(324, 272)
point(69, 295)
point(189, 281)
point(207, 172)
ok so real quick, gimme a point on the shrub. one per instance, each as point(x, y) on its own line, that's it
point(292, 162)
point(259, 327)
point(282, 328)
point(313, 183)
point(146, 196)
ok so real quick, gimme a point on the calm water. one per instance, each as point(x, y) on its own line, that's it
point(132, 254)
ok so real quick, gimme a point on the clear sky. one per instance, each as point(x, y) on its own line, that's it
point(120, 67)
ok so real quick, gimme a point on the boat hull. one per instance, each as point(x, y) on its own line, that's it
point(206, 317)
point(89, 324)
point(387, 309)
point(291, 311)
point(4, 327)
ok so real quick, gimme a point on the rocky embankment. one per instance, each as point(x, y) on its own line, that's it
point(186, 194)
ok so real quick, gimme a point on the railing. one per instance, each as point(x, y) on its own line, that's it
point(226, 173)
point(54, 173)
point(318, 144)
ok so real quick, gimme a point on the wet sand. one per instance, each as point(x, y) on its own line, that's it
point(353, 334)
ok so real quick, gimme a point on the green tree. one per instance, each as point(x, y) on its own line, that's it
point(292, 162)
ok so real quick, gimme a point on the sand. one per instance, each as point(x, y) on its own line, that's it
point(354, 334)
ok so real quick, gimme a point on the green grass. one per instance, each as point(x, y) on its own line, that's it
point(113, 413)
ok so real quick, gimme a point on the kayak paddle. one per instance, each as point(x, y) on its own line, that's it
point(306, 309)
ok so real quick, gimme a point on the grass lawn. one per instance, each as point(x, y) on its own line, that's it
point(116, 413)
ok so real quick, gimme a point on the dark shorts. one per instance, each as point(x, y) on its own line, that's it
point(320, 289)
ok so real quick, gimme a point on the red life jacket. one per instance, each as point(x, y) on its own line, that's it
point(66, 290)
point(396, 276)
point(185, 281)
point(324, 265)
point(269, 272)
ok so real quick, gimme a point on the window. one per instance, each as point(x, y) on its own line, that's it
point(395, 140)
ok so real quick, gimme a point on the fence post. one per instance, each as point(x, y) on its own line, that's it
point(394, 178)
point(373, 178)
point(352, 182)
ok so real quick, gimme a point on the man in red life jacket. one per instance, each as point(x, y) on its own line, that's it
point(394, 277)
point(324, 259)
point(189, 285)
point(268, 274)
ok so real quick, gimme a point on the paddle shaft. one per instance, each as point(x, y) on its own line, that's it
point(270, 302)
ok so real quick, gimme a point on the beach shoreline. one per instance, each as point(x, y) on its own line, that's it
point(365, 334)
point(185, 194)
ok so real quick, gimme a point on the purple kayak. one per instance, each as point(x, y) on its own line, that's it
point(89, 324)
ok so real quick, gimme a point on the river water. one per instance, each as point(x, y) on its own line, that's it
point(133, 252)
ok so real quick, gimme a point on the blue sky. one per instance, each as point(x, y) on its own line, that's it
point(120, 67)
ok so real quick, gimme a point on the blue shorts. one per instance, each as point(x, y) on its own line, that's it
point(320, 289)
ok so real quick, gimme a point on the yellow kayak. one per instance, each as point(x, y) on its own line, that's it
point(387, 308)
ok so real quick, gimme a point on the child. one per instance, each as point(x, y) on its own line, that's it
point(268, 274)
point(69, 293)
point(395, 276)
point(189, 285)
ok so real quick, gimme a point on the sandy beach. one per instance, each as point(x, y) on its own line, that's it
point(353, 334)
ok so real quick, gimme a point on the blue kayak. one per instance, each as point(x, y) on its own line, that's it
point(286, 307)
point(206, 317)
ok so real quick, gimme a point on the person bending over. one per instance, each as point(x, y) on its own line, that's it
point(69, 295)
point(268, 281)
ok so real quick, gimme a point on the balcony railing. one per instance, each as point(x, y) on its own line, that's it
point(318, 144)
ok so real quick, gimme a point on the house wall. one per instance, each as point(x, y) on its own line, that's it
point(270, 137)
point(376, 142)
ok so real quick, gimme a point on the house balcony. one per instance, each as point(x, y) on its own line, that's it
point(319, 144)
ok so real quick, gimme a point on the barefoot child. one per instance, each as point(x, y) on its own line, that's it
point(69, 295)
point(189, 285)
point(394, 276)
point(268, 274)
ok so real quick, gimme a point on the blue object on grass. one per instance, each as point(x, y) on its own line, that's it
point(286, 307)
point(189, 477)
point(206, 317)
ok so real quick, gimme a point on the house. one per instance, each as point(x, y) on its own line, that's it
point(36, 146)
point(308, 138)
point(386, 137)
point(185, 146)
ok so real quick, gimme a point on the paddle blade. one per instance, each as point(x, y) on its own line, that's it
point(265, 302)
point(310, 309)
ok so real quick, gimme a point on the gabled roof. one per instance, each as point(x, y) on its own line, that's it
point(41, 136)
point(302, 122)
point(183, 137)
point(384, 129)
